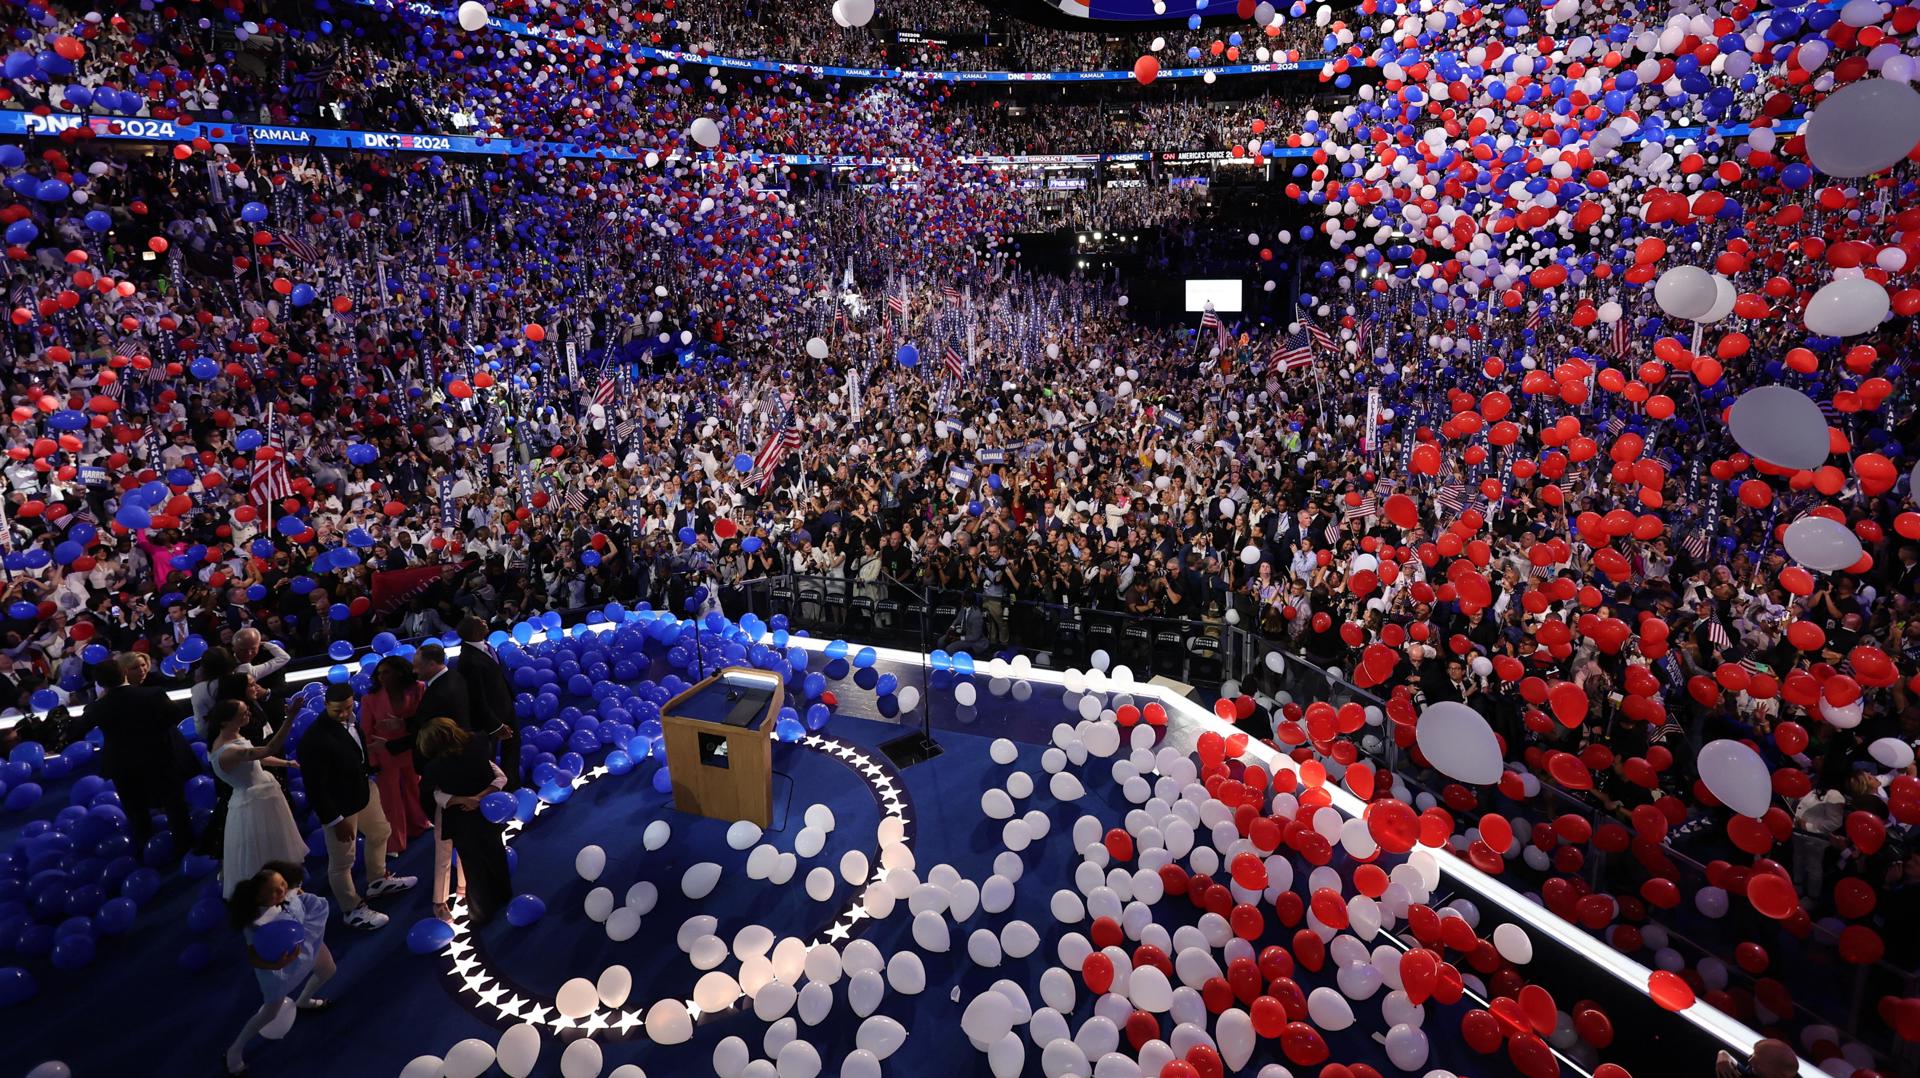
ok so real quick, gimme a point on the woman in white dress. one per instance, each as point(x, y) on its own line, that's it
point(260, 826)
point(269, 895)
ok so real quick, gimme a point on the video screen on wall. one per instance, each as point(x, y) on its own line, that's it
point(1222, 293)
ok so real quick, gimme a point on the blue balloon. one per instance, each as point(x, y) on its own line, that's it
point(98, 221)
point(525, 910)
point(16, 986)
point(865, 657)
point(429, 934)
point(276, 940)
point(497, 806)
point(253, 213)
point(340, 651)
point(743, 463)
point(908, 355)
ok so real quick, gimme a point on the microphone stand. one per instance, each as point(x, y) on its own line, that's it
point(918, 746)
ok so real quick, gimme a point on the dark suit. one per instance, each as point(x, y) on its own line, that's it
point(476, 841)
point(333, 765)
point(492, 701)
point(445, 698)
point(144, 753)
point(448, 698)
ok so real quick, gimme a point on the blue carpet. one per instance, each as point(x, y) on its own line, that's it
point(391, 1005)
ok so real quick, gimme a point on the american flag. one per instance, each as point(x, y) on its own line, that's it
point(1363, 336)
point(575, 500)
point(299, 248)
point(624, 429)
point(1450, 499)
point(1320, 338)
point(1212, 321)
point(955, 365)
point(270, 481)
point(1369, 507)
point(1573, 482)
point(1294, 351)
point(898, 304)
point(603, 393)
point(1695, 544)
point(1537, 319)
point(1612, 427)
point(782, 440)
point(952, 293)
point(1622, 333)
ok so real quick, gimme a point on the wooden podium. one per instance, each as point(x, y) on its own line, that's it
point(719, 738)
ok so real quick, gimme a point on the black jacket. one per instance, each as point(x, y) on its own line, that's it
point(447, 697)
point(334, 767)
point(490, 697)
point(140, 734)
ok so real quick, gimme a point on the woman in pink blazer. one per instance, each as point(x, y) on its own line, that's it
point(384, 712)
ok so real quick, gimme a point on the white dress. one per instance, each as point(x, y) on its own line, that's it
point(260, 826)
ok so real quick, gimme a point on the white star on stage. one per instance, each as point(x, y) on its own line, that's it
point(469, 966)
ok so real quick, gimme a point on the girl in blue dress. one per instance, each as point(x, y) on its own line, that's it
point(269, 895)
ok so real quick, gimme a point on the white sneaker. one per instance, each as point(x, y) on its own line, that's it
point(391, 885)
point(366, 918)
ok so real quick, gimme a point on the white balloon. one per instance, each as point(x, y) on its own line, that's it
point(881, 1036)
point(705, 132)
point(419, 1066)
point(1407, 1047)
point(1822, 544)
point(906, 974)
point(1848, 305)
point(468, 1059)
point(742, 834)
point(1864, 127)
point(590, 862)
point(1737, 776)
point(1513, 943)
point(614, 986)
point(1891, 752)
point(1685, 292)
point(577, 998)
point(582, 1059)
point(1329, 1010)
point(669, 1023)
point(1780, 425)
point(700, 880)
point(817, 347)
point(519, 1050)
point(623, 924)
point(1458, 743)
point(473, 16)
point(656, 834)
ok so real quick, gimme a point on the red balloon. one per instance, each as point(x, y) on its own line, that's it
point(1670, 990)
point(1773, 895)
point(1481, 1030)
point(1097, 970)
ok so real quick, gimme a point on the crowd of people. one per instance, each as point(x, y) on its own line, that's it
point(269, 404)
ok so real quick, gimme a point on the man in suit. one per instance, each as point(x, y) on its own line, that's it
point(490, 694)
point(341, 792)
point(143, 752)
point(446, 691)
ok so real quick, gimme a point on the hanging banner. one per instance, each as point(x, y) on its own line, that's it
point(1370, 437)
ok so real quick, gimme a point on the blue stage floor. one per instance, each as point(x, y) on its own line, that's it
point(137, 1010)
